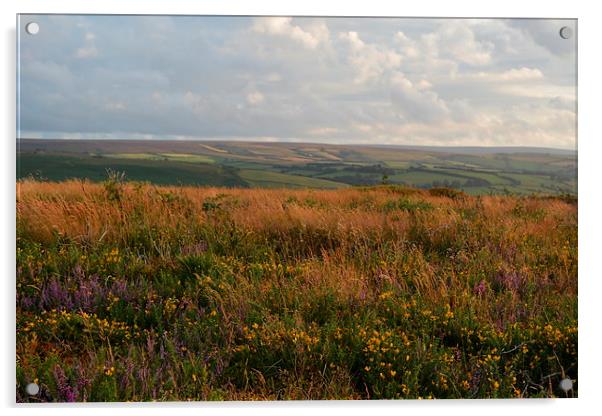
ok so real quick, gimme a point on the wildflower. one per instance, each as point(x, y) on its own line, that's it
point(480, 288)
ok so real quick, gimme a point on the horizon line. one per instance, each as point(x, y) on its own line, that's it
point(255, 141)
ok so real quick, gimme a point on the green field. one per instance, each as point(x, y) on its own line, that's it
point(302, 165)
point(57, 167)
point(267, 179)
point(179, 157)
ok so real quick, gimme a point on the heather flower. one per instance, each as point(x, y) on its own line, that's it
point(480, 288)
point(194, 249)
point(65, 391)
point(511, 281)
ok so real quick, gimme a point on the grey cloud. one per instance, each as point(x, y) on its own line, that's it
point(354, 80)
point(546, 33)
point(416, 105)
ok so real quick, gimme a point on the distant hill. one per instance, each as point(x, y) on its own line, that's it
point(486, 149)
point(475, 170)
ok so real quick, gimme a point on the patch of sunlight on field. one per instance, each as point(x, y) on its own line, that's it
point(281, 180)
point(187, 157)
point(145, 156)
point(178, 157)
point(213, 149)
point(398, 165)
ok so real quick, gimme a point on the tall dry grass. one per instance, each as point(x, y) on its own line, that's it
point(273, 266)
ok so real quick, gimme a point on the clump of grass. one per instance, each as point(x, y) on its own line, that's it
point(113, 185)
point(406, 204)
point(183, 293)
point(447, 193)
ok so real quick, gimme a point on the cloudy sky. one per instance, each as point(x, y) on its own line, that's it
point(333, 80)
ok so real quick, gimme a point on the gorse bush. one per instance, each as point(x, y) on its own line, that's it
point(178, 293)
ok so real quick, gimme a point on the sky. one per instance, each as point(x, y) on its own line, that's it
point(409, 81)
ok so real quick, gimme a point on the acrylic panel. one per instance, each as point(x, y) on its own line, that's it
point(295, 208)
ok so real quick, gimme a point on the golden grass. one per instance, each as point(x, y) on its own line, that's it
point(353, 255)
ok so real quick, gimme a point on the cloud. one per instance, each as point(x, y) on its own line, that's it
point(255, 97)
point(115, 106)
point(282, 26)
point(409, 47)
point(546, 33)
point(86, 52)
point(370, 61)
point(511, 75)
point(407, 81)
point(456, 39)
point(416, 104)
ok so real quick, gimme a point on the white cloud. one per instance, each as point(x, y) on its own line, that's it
point(282, 26)
point(416, 104)
point(423, 84)
point(323, 131)
point(115, 106)
point(511, 75)
point(457, 39)
point(255, 97)
point(369, 61)
point(453, 40)
point(86, 52)
point(409, 47)
point(427, 81)
point(273, 77)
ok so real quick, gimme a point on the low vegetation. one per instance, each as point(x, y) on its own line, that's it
point(130, 291)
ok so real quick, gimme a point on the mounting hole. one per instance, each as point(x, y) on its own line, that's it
point(566, 384)
point(566, 32)
point(32, 389)
point(32, 28)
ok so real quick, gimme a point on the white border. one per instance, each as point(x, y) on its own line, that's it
point(590, 374)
